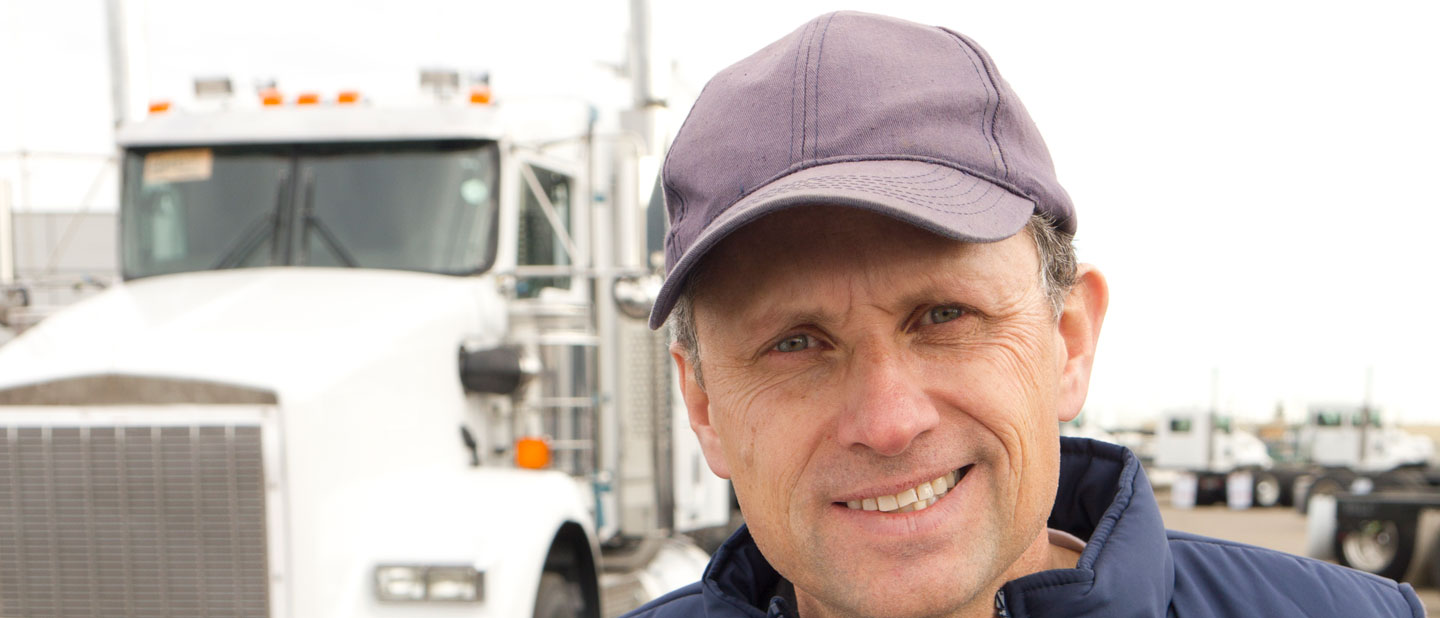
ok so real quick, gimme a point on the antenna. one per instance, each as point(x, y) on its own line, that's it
point(115, 35)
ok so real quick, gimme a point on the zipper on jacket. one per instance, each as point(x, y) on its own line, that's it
point(1001, 611)
point(779, 608)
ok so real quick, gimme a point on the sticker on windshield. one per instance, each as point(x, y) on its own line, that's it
point(186, 165)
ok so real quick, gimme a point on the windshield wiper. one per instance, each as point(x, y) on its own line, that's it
point(255, 235)
point(307, 214)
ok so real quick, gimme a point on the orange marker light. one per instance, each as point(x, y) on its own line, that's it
point(159, 107)
point(270, 97)
point(307, 98)
point(348, 96)
point(480, 95)
point(532, 453)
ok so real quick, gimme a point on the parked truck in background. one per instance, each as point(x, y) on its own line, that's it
point(365, 362)
point(1373, 499)
point(1349, 449)
point(1213, 461)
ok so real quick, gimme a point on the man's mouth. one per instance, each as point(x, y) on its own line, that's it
point(916, 498)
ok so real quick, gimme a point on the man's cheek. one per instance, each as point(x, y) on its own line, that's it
point(737, 437)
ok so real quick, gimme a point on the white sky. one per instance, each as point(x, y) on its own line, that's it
point(1255, 178)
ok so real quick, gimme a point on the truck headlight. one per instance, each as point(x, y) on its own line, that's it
point(400, 583)
point(394, 582)
point(452, 584)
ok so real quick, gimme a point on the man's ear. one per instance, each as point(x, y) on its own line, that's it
point(1079, 330)
point(697, 403)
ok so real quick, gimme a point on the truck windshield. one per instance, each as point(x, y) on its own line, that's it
point(424, 206)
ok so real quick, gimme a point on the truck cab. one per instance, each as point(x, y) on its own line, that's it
point(364, 362)
point(1216, 462)
point(1353, 437)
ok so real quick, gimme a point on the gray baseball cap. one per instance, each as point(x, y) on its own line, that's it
point(863, 111)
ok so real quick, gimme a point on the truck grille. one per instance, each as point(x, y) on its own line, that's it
point(132, 521)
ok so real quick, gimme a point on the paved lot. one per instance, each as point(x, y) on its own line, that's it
point(1278, 528)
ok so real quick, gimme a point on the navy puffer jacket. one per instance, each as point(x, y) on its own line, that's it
point(1131, 565)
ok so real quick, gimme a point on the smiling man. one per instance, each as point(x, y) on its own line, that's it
point(880, 323)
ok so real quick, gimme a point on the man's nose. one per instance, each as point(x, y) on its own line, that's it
point(886, 407)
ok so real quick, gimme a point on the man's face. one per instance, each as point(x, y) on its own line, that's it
point(848, 357)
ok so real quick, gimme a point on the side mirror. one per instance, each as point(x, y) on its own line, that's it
point(634, 296)
point(505, 370)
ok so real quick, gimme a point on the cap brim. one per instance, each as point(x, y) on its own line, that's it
point(937, 198)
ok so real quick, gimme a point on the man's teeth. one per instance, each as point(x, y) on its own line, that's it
point(914, 499)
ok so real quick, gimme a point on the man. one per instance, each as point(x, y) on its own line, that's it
point(879, 325)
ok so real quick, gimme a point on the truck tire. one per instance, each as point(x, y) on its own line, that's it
point(1287, 477)
point(558, 597)
point(1380, 546)
point(1328, 484)
point(1300, 490)
point(1266, 490)
point(1434, 573)
point(1209, 488)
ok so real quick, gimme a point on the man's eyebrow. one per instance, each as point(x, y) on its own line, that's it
point(760, 322)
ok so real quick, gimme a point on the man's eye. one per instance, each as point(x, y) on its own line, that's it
point(794, 343)
point(944, 314)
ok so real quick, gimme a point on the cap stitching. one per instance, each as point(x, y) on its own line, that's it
point(675, 224)
point(819, 53)
point(805, 91)
point(994, 76)
point(936, 170)
point(992, 111)
point(679, 214)
point(909, 198)
point(794, 81)
point(805, 97)
point(914, 187)
point(945, 163)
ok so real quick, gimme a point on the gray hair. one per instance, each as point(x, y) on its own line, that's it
point(1058, 268)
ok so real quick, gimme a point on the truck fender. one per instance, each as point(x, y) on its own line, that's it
point(549, 532)
point(510, 524)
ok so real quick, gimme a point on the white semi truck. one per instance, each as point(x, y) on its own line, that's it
point(365, 362)
point(1349, 449)
point(1213, 461)
point(1374, 497)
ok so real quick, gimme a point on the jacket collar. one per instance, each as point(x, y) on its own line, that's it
point(739, 581)
point(1104, 497)
point(1126, 568)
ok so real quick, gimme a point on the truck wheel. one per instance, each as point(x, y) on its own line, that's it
point(1380, 546)
point(1266, 490)
point(1300, 492)
point(1209, 488)
point(558, 597)
point(1287, 485)
point(1325, 485)
point(1434, 573)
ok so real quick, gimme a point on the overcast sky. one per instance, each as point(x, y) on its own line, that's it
point(1255, 178)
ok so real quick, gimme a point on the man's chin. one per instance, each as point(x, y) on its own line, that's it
point(900, 584)
point(905, 595)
